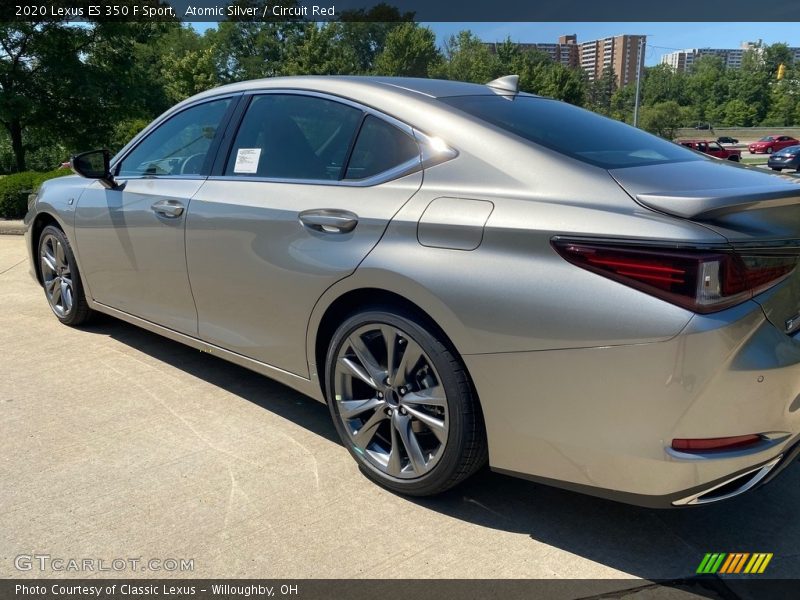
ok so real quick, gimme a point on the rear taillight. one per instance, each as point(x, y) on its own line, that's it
point(699, 280)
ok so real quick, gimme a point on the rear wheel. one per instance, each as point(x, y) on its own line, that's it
point(60, 278)
point(403, 404)
point(778, 169)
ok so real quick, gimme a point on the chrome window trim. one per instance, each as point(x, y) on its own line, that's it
point(424, 159)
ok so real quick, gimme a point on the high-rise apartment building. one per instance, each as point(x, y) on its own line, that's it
point(682, 60)
point(622, 53)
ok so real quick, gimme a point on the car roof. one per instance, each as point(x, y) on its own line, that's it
point(431, 88)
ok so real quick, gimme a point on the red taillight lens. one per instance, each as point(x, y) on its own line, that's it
point(701, 281)
point(710, 444)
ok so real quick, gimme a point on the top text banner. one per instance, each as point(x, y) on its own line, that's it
point(418, 10)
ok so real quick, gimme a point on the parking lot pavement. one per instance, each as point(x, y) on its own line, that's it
point(117, 443)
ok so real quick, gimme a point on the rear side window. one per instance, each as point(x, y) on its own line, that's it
point(178, 146)
point(572, 131)
point(286, 136)
point(380, 147)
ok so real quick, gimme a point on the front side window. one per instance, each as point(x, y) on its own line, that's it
point(287, 136)
point(380, 146)
point(178, 146)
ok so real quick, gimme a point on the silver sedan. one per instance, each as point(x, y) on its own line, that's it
point(465, 274)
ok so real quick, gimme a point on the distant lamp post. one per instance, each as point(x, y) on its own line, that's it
point(638, 83)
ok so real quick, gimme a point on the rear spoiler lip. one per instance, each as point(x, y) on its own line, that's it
point(710, 204)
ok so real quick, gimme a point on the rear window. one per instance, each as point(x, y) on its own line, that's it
point(573, 131)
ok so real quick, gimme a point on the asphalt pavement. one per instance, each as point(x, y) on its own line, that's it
point(117, 443)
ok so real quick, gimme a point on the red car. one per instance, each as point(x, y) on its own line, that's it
point(772, 143)
point(712, 148)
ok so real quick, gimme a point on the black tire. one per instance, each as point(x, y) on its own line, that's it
point(79, 311)
point(733, 158)
point(778, 169)
point(465, 450)
point(769, 150)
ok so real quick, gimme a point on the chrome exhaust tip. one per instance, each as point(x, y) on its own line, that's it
point(731, 487)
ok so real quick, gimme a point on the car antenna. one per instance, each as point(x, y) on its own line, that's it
point(509, 83)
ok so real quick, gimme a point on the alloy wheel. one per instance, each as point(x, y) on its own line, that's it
point(56, 275)
point(391, 401)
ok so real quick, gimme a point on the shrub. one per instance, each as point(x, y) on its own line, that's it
point(14, 190)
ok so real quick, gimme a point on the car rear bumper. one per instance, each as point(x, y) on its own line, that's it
point(601, 420)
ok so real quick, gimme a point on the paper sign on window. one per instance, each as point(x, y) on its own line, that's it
point(247, 160)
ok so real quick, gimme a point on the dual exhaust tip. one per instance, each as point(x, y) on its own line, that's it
point(732, 487)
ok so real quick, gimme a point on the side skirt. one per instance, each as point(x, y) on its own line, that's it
point(301, 384)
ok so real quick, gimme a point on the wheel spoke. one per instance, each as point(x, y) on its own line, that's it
point(395, 463)
point(434, 424)
point(349, 409)
point(49, 285)
point(390, 338)
point(366, 358)
point(66, 295)
point(61, 259)
point(433, 396)
point(409, 440)
point(367, 431)
point(56, 291)
point(358, 372)
point(411, 355)
point(49, 261)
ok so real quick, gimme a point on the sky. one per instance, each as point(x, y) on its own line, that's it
point(662, 38)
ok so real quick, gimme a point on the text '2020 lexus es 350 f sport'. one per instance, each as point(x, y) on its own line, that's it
point(464, 273)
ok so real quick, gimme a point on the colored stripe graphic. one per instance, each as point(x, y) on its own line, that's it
point(734, 562)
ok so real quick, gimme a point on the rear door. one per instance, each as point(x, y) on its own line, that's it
point(303, 193)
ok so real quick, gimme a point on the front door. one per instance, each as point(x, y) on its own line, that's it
point(131, 239)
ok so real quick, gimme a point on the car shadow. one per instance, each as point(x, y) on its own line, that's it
point(648, 543)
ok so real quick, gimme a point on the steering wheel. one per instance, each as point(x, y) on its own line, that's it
point(193, 164)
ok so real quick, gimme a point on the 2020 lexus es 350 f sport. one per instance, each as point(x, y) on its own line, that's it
point(464, 273)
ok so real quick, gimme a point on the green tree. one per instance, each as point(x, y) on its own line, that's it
point(320, 51)
point(468, 59)
point(409, 50)
point(600, 92)
point(662, 118)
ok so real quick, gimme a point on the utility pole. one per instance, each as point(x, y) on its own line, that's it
point(638, 83)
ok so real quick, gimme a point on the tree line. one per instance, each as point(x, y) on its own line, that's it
point(66, 87)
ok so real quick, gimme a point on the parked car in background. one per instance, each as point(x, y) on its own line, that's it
point(788, 158)
point(703, 126)
point(713, 149)
point(463, 273)
point(772, 143)
point(727, 140)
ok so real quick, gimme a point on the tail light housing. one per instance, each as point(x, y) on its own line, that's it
point(703, 281)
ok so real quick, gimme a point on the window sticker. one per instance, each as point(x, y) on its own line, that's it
point(247, 160)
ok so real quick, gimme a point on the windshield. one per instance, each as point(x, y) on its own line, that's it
point(769, 138)
point(790, 150)
point(573, 131)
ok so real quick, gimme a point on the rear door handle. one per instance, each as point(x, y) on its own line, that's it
point(328, 220)
point(172, 209)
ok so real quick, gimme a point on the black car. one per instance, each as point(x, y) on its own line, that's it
point(788, 158)
point(727, 140)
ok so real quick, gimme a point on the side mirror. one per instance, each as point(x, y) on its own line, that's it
point(94, 164)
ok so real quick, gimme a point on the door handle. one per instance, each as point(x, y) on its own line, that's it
point(329, 220)
point(171, 209)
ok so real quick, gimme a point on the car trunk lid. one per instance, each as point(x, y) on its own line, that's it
point(754, 211)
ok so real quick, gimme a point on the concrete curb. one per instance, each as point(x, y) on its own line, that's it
point(11, 227)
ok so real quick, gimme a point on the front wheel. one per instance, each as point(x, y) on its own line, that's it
point(61, 279)
point(776, 169)
point(403, 404)
point(769, 150)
